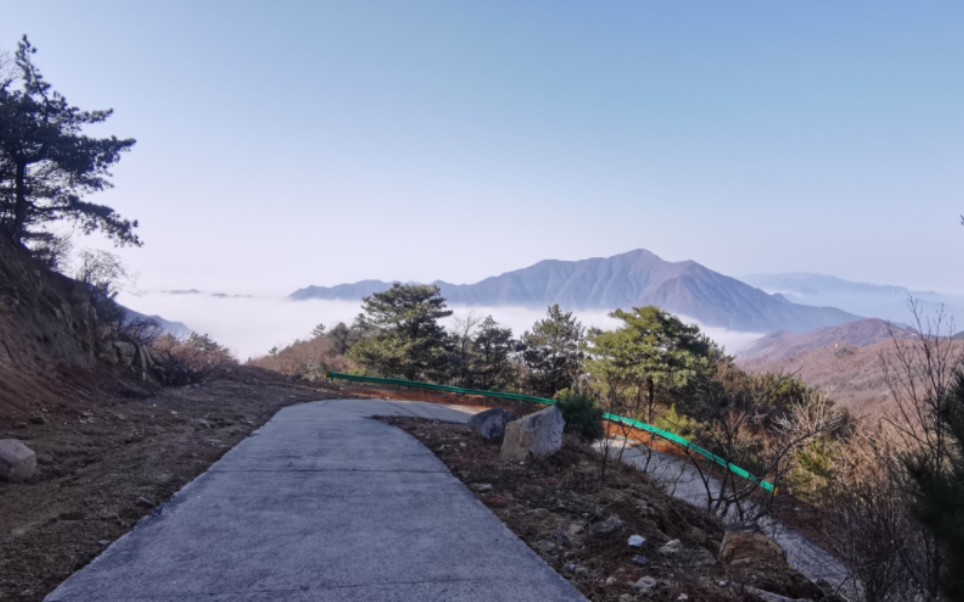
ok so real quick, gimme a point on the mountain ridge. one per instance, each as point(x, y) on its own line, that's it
point(635, 278)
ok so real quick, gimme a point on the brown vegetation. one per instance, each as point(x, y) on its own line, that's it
point(308, 360)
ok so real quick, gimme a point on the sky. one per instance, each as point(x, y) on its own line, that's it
point(291, 143)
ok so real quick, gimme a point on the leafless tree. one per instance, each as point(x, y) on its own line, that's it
point(744, 427)
point(920, 374)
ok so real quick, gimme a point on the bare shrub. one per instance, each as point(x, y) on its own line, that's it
point(190, 361)
point(308, 360)
point(866, 519)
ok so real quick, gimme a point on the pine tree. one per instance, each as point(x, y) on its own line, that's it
point(404, 337)
point(551, 352)
point(47, 166)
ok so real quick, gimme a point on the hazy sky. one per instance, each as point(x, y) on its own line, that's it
point(290, 143)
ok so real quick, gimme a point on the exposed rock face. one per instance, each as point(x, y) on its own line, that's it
point(49, 333)
point(491, 424)
point(45, 318)
point(17, 461)
point(536, 435)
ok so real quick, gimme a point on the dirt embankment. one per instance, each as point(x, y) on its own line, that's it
point(580, 523)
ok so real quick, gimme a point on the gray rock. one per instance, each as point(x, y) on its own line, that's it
point(646, 584)
point(576, 568)
point(749, 547)
point(17, 461)
point(544, 545)
point(201, 423)
point(38, 419)
point(636, 541)
point(671, 547)
point(143, 502)
point(490, 425)
point(536, 435)
point(702, 557)
point(126, 353)
point(641, 560)
point(605, 527)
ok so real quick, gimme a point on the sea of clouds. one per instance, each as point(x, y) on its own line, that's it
point(250, 326)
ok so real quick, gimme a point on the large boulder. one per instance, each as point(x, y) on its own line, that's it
point(755, 560)
point(536, 435)
point(490, 424)
point(17, 461)
point(750, 547)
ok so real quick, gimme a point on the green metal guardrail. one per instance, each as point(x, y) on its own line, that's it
point(671, 437)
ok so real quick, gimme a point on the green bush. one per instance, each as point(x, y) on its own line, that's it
point(581, 414)
point(678, 423)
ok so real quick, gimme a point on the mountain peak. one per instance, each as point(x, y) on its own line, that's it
point(632, 279)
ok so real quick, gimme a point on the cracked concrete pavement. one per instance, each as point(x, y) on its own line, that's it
point(323, 503)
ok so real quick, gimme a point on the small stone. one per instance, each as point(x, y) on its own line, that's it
point(702, 557)
point(683, 597)
point(20, 425)
point(641, 560)
point(496, 501)
point(483, 487)
point(17, 461)
point(38, 419)
point(143, 502)
point(201, 423)
point(671, 547)
point(545, 546)
point(636, 541)
point(103, 543)
point(605, 527)
point(610, 580)
point(576, 568)
point(490, 425)
point(646, 584)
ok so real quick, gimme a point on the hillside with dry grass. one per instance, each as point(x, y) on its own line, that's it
point(845, 362)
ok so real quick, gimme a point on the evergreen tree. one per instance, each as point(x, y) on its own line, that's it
point(938, 495)
point(492, 361)
point(652, 353)
point(404, 337)
point(551, 352)
point(47, 166)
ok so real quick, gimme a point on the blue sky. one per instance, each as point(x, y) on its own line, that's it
point(292, 143)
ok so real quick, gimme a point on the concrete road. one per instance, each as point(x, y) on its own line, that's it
point(323, 503)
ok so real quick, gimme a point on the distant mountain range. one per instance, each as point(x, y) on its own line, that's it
point(636, 278)
point(879, 301)
point(842, 361)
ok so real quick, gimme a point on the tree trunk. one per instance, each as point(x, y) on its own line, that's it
point(20, 203)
